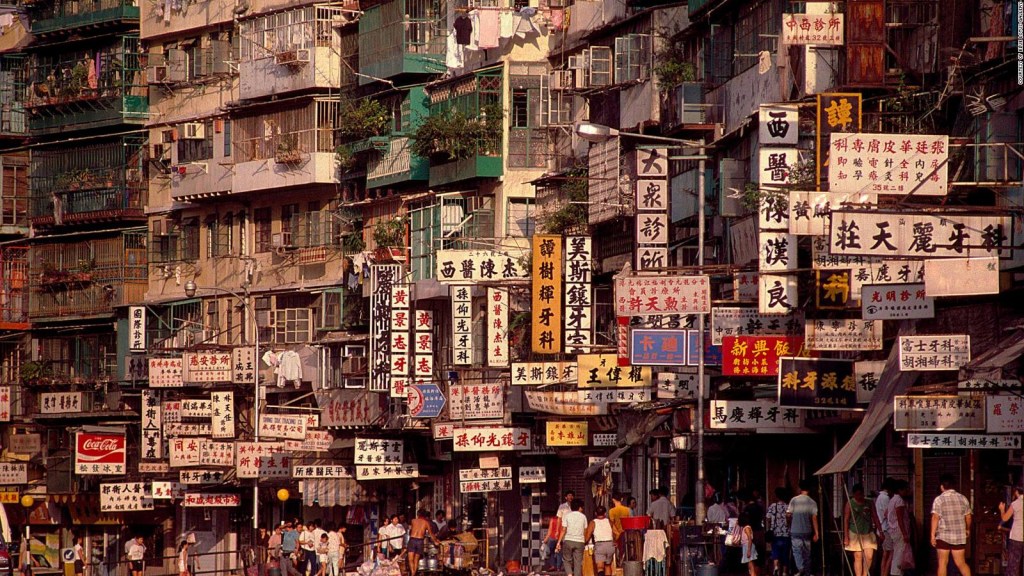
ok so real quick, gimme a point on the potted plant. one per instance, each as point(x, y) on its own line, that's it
point(288, 150)
point(389, 236)
point(367, 119)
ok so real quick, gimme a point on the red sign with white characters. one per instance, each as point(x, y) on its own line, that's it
point(757, 355)
point(100, 453)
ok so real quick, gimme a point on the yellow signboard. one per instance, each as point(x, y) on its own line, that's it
point(566, 433)
point(547, 294)
point(603, 371)
point(9, 497)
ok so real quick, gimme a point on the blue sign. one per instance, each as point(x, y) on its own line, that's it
point(657, 347)
point(712, 354)
point(425, 401)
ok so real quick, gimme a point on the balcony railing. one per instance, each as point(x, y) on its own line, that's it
point(286, 135)
point(13, 72)
point(14, 288)
point(402, 37)
point(474, 96)
point(87, 278)
point(67, 15)
point(992, 164)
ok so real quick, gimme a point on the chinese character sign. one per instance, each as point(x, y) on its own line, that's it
point(323, 471)
point(547, 294)
point(370, 451)
point(614, 395)
point(491, 439)
point(5, 403)
point(100, 453)
point(497, 327)
point(964, 441)
point(579, 298)
point(222, 414)
point(662, 295)
point(184, 451)
point(243, 365)
point(200, 476)
point(603, 371)
point(543, 373)
point(812, 29)
point(759, 415)
point(61, 402)
point(756, 355)
point(261, 460)
point(213, 453)
point(896, 302)
point(532, 475)
point(462, 324)
point(888, 164)
point(868, 374)
point(938, 413)
point(387, 471)
point(1004, 413)
point(836, 113)
point(779, 125)
point(12, 473)
point(962, 276)
point(125, 497)
point(206, 367)
point(471, 266)
point(726, 321)
point(476, 401)
point(206, 500)
point(137, 328)
point(652, 209)
point(777, 252)
point(817, 383)
point(475, 480)
point(351, 408)
point(382, 277)
point(931, 353)
point(165, 372)
point(832, 289)
point(566, 433)
point(776, 294)
point(843, 334)
point(811, 212)
point(283, 426)
point(562, 403)
point(658, 347)
point(401, 340)
point(152, 426)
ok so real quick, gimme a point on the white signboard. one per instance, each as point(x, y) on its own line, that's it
point(898, 235)
point(323, 471)
point(497, 327)
point(579, 297)
point(476, 401)
point(932, 353)
point(777, 252)
point(726, 321)
point(243, 365)
point(810, 212)
point(612, 465)
point(543, 373)
point(896, 302)
point(61, 402)
point(387, 471)
point(125, 497)
point(382, 277)
point(473, 266)
point(196, 408)
point(290, 426)
point(681, 385)
point(176, 429)
point(812, 29)
point(213, 453)
point(485, 479)
point(615, 395)
point(651, 228)
point(744, 286)
point(261, 460)
point(864, 269)
point(137, 328)
point(462, 325)
point(374, 451)
point(605, 440)
point(763, 416)
point(315, 441)
point(987, 385)
point(152, 446)
point(962, 276)
point(206, 367)
point(484, 439)
point(167, 490)
point(777, 294)
point(562, 403)
point(659, 295)
point(165, 372)
point(868, 373)
point(200, 476)
point(532, 475)
point(184, 451)
point(13, 473)
point(222, 415)
point(938, 413)
point(1004, 413)
point(964, 441)
point(843, 334)
point(888, 164)
point(779, 125)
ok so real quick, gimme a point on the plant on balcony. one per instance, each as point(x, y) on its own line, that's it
point(451, 135)
point(345, 158)
point(366, 119)
point(75, 80)
point(572, 216)
point(288, 150)
point(36, 372)
point(673, 68)
point(389, 236)
point(54, 276)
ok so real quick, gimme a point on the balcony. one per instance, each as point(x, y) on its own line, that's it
point(475, 96)
point(401, 37)
point(286, 147)
point(94, 182)
point(13, 71)
point(14, 194)
point(390, 158)
point(70, 15)
point(291, 51)
point(88, 278)
point(86, 89)
point(13, 289)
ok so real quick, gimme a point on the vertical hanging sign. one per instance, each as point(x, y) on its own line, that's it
point(423, 347)
point(382, 277)
point(462, 325)
point(652, 208)
point(152, 427)
point(222, 414)
point(579, 299)
point(497, 328)
point(137, 328)
point(836, 113)
point(547, 294)
point(401, 347)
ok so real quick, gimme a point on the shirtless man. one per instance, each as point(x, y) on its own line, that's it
point(421, 528)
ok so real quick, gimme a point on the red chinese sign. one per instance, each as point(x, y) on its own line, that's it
point(757, 355)
point(201, 499)
point(488, 439)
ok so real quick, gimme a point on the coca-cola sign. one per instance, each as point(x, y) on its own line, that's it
point(100, 454)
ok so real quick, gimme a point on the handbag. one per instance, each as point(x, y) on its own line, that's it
point(907, 559)
point(735, 536)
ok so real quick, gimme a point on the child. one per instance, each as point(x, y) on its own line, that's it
point(749, 550)
point(322, 548)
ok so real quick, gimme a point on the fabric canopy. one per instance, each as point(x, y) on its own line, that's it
point(879, 413)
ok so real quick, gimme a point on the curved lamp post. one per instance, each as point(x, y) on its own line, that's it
point(190, 290)
point(598, 133)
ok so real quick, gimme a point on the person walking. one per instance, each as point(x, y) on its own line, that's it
point(421, 529)
point(803, 527)
point(859, 527)
point(600, 529)
point(80, 559)
point(334, 542)
point(565, 507)
point(571, 539)
point(778, 527)
point(554, 559)
point(274, 543)
point(392, 538)
point(660, 509)
point(881, 507)
point(951, 526)
point(136, 556)
point(183, 558)
point(1015, 544)
point(289, 549)
point(899, 527)
point(748, 546)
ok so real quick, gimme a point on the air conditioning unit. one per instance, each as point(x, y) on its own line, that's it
point(277, 243)
point(293, 57)
point(156, 74)
point(193, 131)
point(690, 96)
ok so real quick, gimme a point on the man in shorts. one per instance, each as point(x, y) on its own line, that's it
point(420, 530)
point(136, 553)
point(951, 526)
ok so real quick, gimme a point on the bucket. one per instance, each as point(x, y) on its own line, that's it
point(707, 570)
point(633, 568)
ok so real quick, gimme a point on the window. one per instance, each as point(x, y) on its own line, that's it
point(242, 247)
point(190, 239)
point(520, 116)
point(331, 304)
point(632, 58)
point(527, 140)
point(424, 231)
point(212, 321)
point(287, 211)
point(212, 236)
point(195, 149)
point(261, 220)
point(221, 235)
point(756, 31)
point(227, 138)
point(292, 325)
point(519, 217)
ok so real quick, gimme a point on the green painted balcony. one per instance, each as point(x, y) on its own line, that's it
point(65, 16)
point(476, 96)
point(401, 37)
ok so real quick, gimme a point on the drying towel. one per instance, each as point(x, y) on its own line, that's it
point(490, 28)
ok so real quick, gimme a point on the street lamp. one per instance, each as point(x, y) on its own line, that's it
point(598, 133)
point(190, 291)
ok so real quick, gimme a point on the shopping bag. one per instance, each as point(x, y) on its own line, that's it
point(735, 535)
point(588, 561)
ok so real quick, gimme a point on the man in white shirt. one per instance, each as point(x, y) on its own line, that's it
point(1015, 545)
point(392, 538)
point(564, 508)
point(136, 553)
point(571, 539)
point(660, 509)
point(882, 511)
point(717, 514)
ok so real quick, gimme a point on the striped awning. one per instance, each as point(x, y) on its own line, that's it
point(330, 492)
